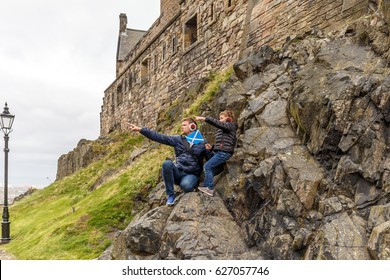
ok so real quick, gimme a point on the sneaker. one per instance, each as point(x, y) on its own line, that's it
point(171, 200)
point(206, 191)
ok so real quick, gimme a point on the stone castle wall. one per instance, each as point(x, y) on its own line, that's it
point(191, 38)
point(273, 20)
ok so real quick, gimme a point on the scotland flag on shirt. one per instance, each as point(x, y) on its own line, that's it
point(195, 138)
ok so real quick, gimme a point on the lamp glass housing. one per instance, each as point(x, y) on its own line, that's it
point(6, 120)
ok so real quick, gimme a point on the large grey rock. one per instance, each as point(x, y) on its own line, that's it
point(200, 227)
point(330, 206)
point(268, 140)
point(144, 236)
point(378, 215)
point(289, 204)
point(339, 239)
point(303, 173)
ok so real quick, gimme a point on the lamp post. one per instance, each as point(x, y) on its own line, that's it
point(6, 126)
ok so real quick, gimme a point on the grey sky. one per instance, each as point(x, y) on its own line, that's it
point(56, 60)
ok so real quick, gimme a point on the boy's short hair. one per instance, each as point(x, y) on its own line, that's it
point(229, 114)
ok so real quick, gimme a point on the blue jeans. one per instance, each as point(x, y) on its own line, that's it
point(211, 166)
point(172, 175)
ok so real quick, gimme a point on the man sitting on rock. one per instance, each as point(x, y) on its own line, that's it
point(190, 153)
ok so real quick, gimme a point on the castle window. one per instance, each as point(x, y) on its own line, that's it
point(130, 80)
point(191, 31)
point(174, 44)
point(145, 71)
point(119, 94)
point(155, 64)
point(112, 103)
point(164, 52)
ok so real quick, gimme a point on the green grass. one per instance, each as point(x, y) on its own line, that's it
point(68, 221)
point(211, 88)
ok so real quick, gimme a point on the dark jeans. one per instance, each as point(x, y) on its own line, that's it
point(172, 175)
point(211, 167)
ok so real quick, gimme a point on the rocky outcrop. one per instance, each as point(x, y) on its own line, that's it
point(28, 192)
point(198, 227)
point(80, 157)
point(84, 154)
point(310, 175)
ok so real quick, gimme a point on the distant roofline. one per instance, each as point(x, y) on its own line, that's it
point(138, 30)
point(170, 22)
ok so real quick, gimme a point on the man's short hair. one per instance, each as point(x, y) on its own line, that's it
point(190, 120)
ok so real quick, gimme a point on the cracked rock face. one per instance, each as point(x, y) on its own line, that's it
point(323, 173)
point(198, 227)
point(310, 175)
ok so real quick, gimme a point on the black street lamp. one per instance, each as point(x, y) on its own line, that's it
point(6, 126)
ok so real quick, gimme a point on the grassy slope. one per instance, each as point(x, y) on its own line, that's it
point(68, 221)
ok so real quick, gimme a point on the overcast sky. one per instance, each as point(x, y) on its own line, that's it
point(56, 59)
